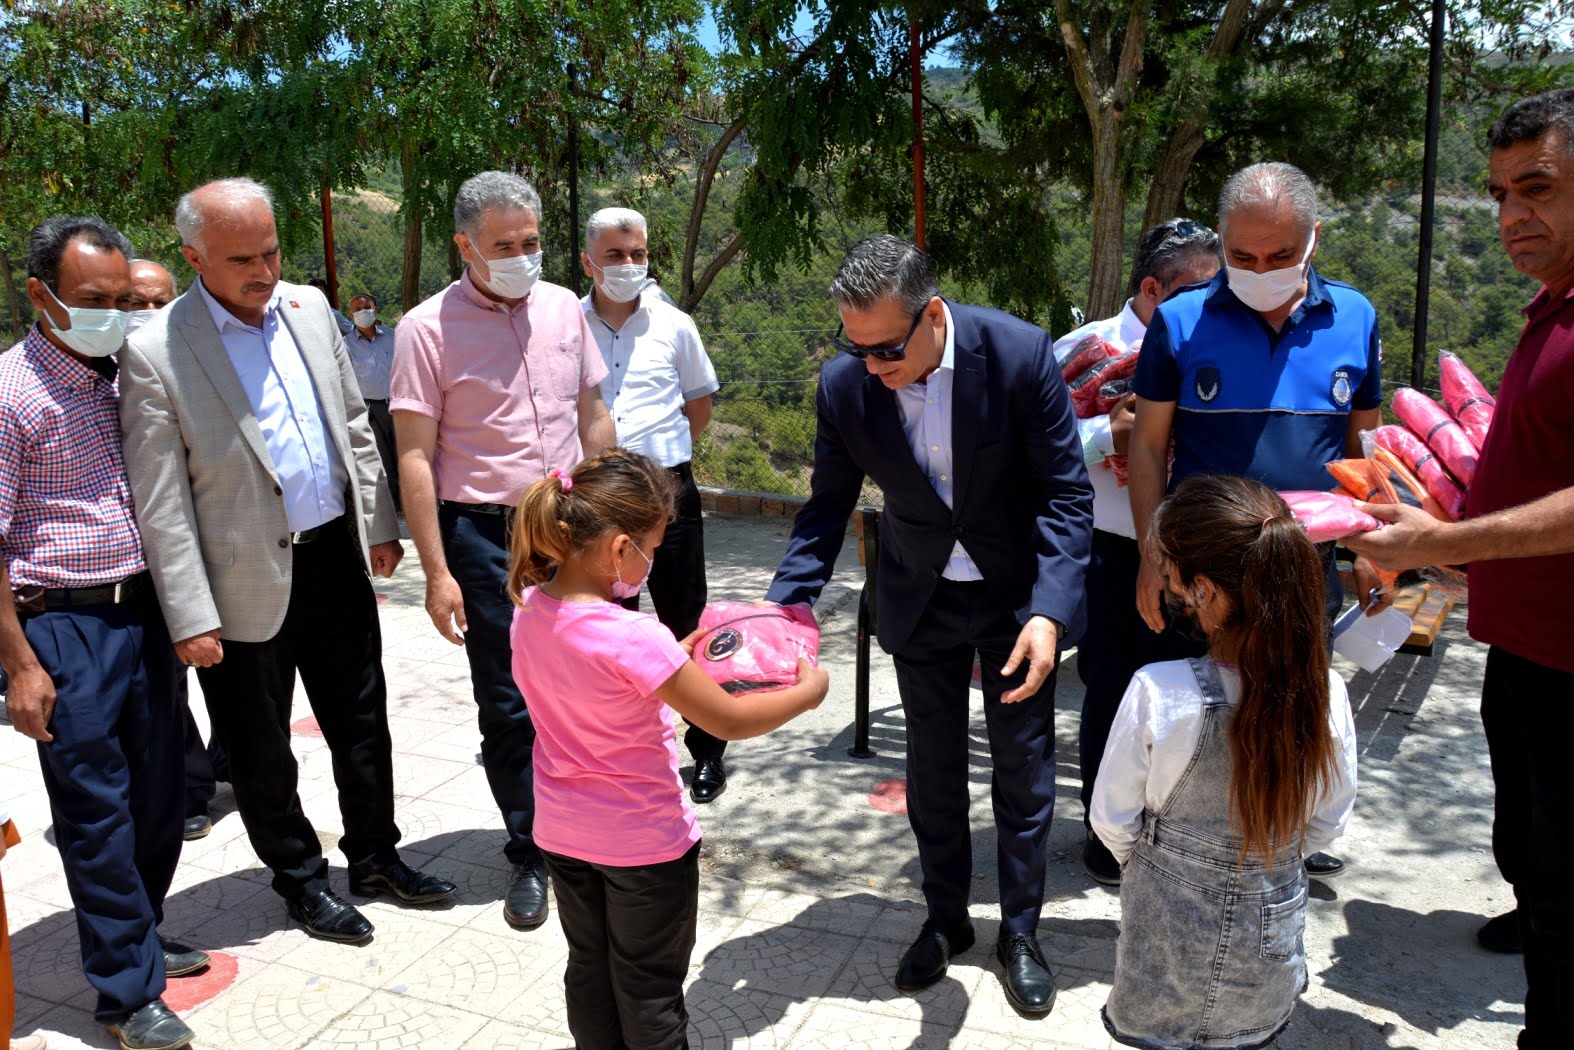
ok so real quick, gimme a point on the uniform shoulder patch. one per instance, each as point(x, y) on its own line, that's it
point(1342, 389)
point(1208, 383)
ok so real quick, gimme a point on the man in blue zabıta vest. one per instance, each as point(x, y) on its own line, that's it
point(1270, 371)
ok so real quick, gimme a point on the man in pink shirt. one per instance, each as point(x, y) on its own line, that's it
point(496, 380)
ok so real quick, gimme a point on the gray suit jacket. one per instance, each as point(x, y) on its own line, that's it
point(208, 500)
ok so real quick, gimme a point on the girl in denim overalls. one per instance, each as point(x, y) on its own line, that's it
point(1220, 774)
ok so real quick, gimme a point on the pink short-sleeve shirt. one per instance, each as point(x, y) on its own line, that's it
point(606, 758)
point(503, 385)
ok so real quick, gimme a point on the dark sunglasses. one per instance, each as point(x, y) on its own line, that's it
point(879, 353)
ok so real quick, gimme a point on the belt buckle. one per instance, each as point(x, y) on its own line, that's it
point(296, 537)
point(120, 590)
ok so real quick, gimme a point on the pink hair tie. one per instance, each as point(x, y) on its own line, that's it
point(1265, 522)
point(562, 479)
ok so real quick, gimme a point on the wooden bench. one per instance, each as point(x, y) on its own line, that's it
point(1427, 606)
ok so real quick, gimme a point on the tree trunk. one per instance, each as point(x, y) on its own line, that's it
point(13, 301)
point(690, 293)
point(1106, 287)
point(410, 269)
point(1167, 187)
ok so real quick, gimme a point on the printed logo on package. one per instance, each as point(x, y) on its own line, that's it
point(723, 645)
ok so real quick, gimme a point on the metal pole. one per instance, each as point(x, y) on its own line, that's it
point(917, 77)
point(329, 262)
point(575, 272)
point(1434, 116)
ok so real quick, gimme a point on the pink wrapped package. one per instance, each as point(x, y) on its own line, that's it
point(750, 648)
point(1085, 387)
point(1431, 422)
point(1328, 516)
point(1424, 464)
point(1467, 400)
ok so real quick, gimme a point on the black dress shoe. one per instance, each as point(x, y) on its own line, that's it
point(1323, 866)
point(196, 827)
point(401, 880)
point(327, 915)
point(925, 962)
point(1099, 862)
point(181, 959)
point(525, 907)
point(1029, 984)
point(154, 1027)
point(710, 780)
point(1502, 934)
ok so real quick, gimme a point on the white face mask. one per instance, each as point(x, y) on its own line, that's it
point(1266, 291)
point(93, 333)
point(622, 283)
point(513, 277)
point(136, 319)
point(364, 318)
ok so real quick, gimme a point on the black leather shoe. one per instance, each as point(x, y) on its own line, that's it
point(1099, 862)
point(196, 827)
point(1502, 934)
point(154, 1027)
point(1029, 984)
point(525, 907)
point(181, 959)
point(710, 780)
point(327, 915)
point(401, 880)
point(1323, 866)
point(925, 962)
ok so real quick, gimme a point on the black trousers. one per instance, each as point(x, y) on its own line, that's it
point(113, 778)
point(381, 421)
point(1116, 643)
point(332, 637)
point(934, 677)
point(1527, 710)
point(206, 764)
point(630, 934)
point(476, 546)
point(678, 589)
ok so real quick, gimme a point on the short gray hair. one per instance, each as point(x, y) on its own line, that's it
point(1265, 186)
point(492, 189)
point(621, 219)
point(191, 214)
point(884, 267)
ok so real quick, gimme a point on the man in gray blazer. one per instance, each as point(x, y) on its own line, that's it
point(263, 505)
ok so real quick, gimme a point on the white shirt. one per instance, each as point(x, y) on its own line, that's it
point(655, 364)
point(1111, 503)
point(1152, 741)
point(926, 420)
point(280, 391)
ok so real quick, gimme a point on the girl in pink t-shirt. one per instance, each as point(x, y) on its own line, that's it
point(620, 838)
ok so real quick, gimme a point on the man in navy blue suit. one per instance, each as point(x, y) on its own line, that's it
point(961, 417)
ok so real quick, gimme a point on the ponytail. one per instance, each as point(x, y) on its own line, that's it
point(1241, 535)
point(540, 540)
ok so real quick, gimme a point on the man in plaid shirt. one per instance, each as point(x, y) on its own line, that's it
point(92, 670)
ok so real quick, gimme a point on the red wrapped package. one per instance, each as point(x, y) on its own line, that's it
point(1085, 387)
point(1467, 400)
point(1326, 516)
point(1087, 353)
point(1431, 423)
point(750, 648)
point(1110, 395)
point(1426, 466)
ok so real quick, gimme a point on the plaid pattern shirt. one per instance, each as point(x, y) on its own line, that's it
point(66, 516)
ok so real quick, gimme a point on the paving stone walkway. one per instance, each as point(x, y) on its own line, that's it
point(810, 884)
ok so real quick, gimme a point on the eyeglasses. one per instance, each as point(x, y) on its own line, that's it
point(1185, 228)
point(879, 353)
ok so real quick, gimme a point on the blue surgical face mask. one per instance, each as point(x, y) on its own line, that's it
point(91, 333)
point(622, 589)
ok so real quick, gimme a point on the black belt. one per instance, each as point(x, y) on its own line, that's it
point(316, 532)
point(42, 599)
point(490, 509)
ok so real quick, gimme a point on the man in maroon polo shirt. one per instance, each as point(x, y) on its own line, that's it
point(1518, 539)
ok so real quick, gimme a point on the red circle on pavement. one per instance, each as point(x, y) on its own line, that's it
point(188, 993)
point(890, 796)
point(306, 727)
